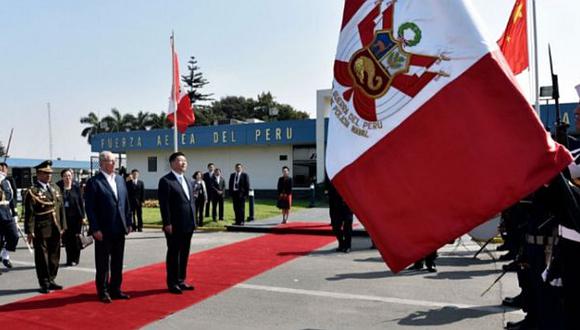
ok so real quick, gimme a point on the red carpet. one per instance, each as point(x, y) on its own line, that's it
point(212, 272)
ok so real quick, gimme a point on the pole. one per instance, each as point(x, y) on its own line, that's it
point(536, 73)
point(8, 145)
point(174, 92)
point(49, 132)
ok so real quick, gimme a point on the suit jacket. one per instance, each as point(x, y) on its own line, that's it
point(43, 211)
point(75, 199)
point(136, 192)
point(105, 211)
point(207, 178)
point(243, 184)
point(218, 189)
point(176, 209)
point(284, 185)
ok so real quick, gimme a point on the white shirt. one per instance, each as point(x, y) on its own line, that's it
point(111, 180)
point(182, 181)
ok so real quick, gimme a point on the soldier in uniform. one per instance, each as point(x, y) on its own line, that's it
point(8, 216)
point(44, 223)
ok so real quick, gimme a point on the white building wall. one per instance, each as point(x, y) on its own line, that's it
point(262, 163)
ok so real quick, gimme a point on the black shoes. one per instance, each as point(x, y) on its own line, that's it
point(511, 267)
point(120, 296)
point(342, 249)
point(524, 324)
point(514, 302)
point(43, 290)
point(508, 256)
point(186, 287)
point(105, 298)
point(175, 289)
point(432, 269)
point(7, 263)
point(54, 286)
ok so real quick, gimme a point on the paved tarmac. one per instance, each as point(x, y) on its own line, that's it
point(324, 290)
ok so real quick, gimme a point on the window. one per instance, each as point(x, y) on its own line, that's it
point(283, 157)
point(152, 164)
point(304, 165)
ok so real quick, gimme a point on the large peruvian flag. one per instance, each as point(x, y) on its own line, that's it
point(429, 135)
point(179, 102)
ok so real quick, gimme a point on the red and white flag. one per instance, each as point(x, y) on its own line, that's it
point(179, 102)
point(429, 135)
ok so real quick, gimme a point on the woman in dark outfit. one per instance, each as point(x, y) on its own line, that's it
point(75, 213)
point(285, 193)
point(200, 196)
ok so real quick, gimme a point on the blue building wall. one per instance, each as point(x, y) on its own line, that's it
point(294, 132)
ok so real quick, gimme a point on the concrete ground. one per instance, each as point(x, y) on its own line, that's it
point(324, 290)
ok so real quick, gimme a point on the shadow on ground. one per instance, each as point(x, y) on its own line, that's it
point(447, 315)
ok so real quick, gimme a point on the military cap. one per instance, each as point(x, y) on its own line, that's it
point(45, 166)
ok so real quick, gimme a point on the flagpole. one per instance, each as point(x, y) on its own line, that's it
point(174, 92)
point(536, 71)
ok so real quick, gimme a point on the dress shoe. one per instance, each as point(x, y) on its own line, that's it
point(339, 249)
point(416, 267)
point(186, 287)
point(7, 263)
point(507, 256)
point(105, 298)
point(346, 250)
point(140, 230)
point(432, 269)
point(54, 286)
point(43, 290)
point(511, 267)
point(175, 289)
point(514, 302)
point(120, 296)
point(524, 324)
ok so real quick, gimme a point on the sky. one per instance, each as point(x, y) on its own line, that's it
point(83, 56)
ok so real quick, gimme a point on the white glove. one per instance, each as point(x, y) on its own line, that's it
point(15, 218)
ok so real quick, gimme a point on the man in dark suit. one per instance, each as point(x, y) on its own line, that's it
point(109, 214)
point(239, 187)
point(136, 190)
point(218, 189)
point(207, 178)
point(177, 207)
point(341, 218)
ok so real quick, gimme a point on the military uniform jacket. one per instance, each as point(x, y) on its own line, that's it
point(43, 210)
point(5, 200)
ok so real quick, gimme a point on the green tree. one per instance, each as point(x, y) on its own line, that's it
point(95, 126)
point(195, 81)
point(159, 121)
point(241, 108)
point(116, 122)
point(142, 121)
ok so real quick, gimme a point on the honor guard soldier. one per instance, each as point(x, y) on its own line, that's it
point(44, 223)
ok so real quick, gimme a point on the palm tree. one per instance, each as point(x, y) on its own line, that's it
point(160, 120)
point(117, 122)
point(95, 126)
point(142, 121)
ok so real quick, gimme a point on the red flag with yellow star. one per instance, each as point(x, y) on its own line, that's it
point(514, 41)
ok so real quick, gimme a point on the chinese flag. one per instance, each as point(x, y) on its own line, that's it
point(514, 41)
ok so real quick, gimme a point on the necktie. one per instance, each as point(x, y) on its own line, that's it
point(184, 186)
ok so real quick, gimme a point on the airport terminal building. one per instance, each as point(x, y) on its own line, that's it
point(263, 148)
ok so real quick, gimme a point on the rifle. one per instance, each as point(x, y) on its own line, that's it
point(8, 145)
point(24, 238)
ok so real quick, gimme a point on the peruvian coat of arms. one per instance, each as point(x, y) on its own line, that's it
point(383, 63)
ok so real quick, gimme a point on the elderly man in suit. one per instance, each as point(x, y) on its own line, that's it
point(177, 207)
point(109, 214)
point(239, 187)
